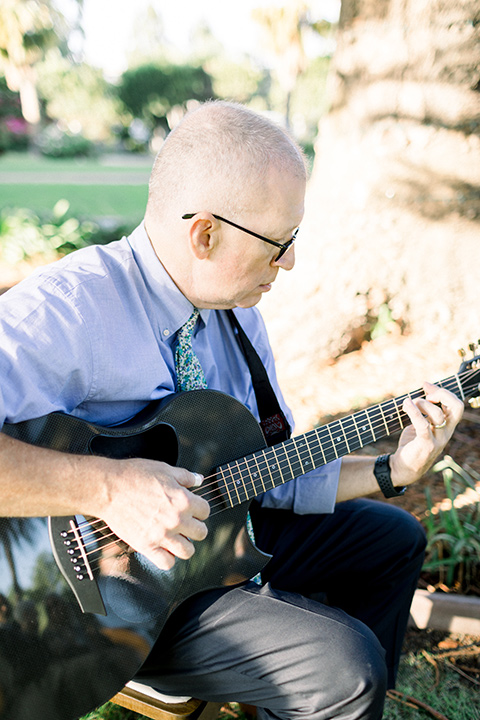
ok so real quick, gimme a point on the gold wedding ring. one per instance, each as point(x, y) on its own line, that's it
point(438, 427)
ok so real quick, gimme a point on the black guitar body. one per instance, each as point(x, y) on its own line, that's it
point(79, 611)
point(78, 620)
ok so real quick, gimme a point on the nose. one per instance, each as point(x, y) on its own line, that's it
point(287, 261)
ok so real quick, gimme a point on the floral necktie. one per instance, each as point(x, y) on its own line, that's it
point(190, 375)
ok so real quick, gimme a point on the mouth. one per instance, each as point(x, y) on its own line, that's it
point(266, 288)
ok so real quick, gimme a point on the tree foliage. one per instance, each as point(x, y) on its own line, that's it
point(150, 91)
point(27, 29)
point(71, 90)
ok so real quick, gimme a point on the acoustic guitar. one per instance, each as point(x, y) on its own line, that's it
point(79, 610)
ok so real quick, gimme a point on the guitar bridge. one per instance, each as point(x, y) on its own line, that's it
point(71, 557)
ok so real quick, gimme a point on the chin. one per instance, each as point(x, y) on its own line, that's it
point(248, 302)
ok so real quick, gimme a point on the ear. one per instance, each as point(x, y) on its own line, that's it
point(203, 235)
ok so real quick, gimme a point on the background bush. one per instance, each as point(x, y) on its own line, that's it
point(150, 91)
point(14, 133)
point(27, 236)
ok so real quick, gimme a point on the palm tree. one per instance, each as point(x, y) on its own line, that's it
point(282, 27)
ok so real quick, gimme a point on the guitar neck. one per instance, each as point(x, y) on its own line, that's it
point(254, 474)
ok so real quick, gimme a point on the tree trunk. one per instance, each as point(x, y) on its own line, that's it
point(22, 79)
point(391, 236)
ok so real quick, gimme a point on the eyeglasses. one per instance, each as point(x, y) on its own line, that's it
point(283, 246)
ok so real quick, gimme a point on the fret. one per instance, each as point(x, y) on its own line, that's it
point(298, 444)
point(328, 448)
point(350, 431)
point(332, 441)
point(416, 394)
point(225, 485)
point(338, 438)
point(390, 415)
point(238, 484)
point(287, 457)
point(257, 474)
point(251, 488)
point(367, 413)
point(364, 427)
point(272, 468)
point(383, 418)
point(284, 464)
point(462, 395)
point(308, 462)
point(354, 422)
point(342, 424)
point(260, 474)
point(400, 421)
point(314, 435)
point(261, 471)
point(265, 469)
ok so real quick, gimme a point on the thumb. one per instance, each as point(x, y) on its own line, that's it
point(189, 479)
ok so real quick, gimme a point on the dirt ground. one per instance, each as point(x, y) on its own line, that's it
point(384, 368)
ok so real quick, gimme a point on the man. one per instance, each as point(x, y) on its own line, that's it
point(95, 335)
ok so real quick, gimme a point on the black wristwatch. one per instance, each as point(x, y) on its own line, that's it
point(381, 471)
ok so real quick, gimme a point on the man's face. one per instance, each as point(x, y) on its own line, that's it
point(245, 267)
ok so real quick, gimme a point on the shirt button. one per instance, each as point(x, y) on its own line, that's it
point(166, 332)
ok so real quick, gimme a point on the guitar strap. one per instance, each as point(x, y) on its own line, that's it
point(273, 422)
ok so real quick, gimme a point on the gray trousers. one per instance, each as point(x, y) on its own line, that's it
point(290, 655)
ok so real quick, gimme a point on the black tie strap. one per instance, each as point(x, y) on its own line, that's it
point(273, 422)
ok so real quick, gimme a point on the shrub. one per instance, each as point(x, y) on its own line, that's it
point(453, 529)
point(53, 142)
point(150, 91)
point(14, 130)
point(25, 236)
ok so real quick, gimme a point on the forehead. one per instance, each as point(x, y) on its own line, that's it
point(282, 201)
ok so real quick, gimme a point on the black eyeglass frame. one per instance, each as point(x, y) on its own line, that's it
point(283, 246)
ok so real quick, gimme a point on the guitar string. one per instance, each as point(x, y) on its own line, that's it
point(101, 547)
point(348, 435)
point(382, 422)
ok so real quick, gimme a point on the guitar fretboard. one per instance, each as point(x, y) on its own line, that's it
point(243, 479)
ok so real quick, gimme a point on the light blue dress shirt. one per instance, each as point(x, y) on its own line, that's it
point(94, 335)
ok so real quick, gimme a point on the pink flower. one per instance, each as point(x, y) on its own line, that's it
point(15, 125)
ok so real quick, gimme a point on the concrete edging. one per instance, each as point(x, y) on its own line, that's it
point(443, 611)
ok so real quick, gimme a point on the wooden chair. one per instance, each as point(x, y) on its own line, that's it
point(149, 702)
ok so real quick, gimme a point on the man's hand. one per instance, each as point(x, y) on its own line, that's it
point(151, 508)
point(433, 421)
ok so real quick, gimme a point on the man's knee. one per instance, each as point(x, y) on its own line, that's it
point(349, 677)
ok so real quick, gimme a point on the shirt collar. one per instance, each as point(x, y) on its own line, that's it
point(175, 307)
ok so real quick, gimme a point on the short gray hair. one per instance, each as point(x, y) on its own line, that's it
point(214, 157)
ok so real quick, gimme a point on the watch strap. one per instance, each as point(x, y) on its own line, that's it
point(381, 470)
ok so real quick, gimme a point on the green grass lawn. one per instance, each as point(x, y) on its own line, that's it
point(105, 163)
point(107, 185)
point(123, 201)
